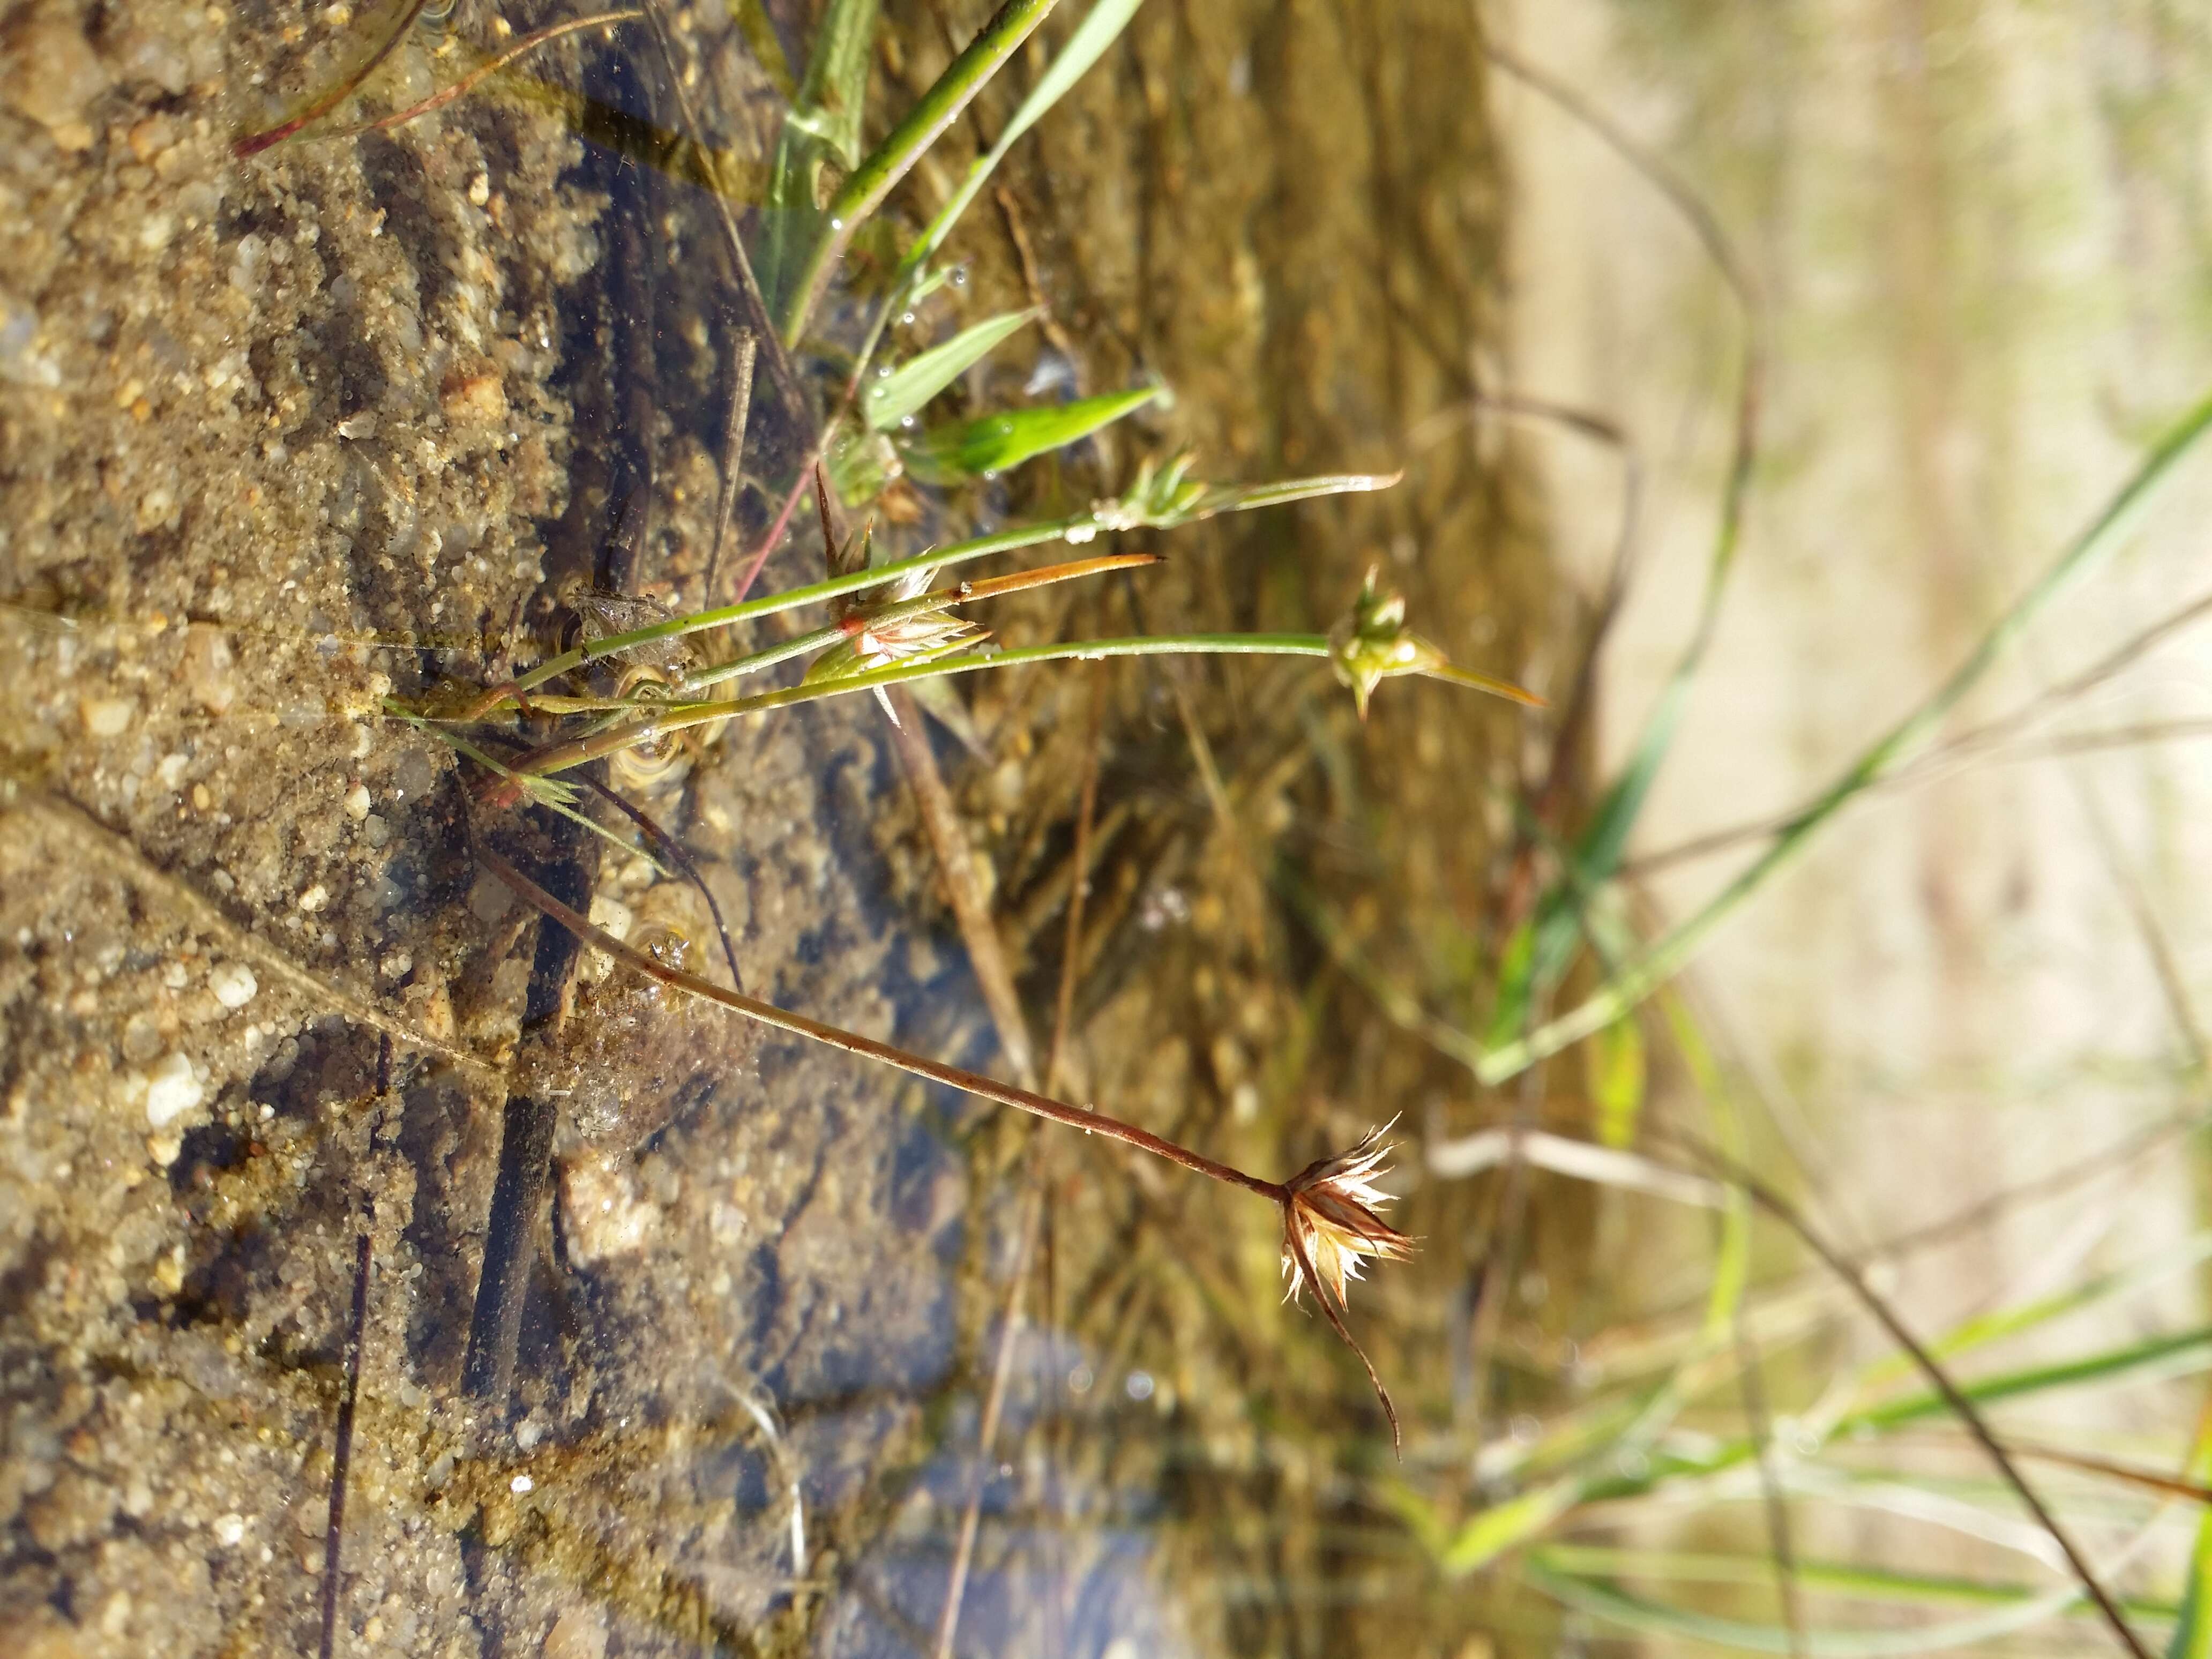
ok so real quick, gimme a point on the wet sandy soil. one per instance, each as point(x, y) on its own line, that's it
point(279, 437)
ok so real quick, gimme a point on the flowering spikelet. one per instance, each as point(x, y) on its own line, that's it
point(895, 631)
point(1328, 1222)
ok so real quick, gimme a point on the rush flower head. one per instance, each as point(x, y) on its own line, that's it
point(1328, 1224)
point(909, 626)
point(1330, 1219)
point(1372, 644)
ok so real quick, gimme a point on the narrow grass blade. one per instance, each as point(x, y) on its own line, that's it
point(863, 192)
point(1098, 30)
point(995, 442)
point(1653, 1618)
point(2192, 1634)
point(1639, 979)
point(914, 382)
point(1882, 1584)
point(2173, 1354)
point(1243, 498)
point(822, 124)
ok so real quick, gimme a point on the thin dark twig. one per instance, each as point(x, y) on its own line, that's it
point(2118, 1155)
point(1663, 177)
point(1582, 696)
point(956, 1589)
point(682, 860)
point(341, 1446)
point(964, 888)
point(1655, 172)
point(986, 1433)
point(1079, 889)
point(2156, 944)
point(1501, 1258)
point(254, 143)
point(743, 356)
point(1976, 1425)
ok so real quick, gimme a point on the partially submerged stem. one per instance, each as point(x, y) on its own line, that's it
point(483, 71)
point(851, 1043)
point(254, 143)
point(683, 716)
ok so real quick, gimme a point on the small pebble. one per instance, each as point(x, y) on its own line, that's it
point(579, 1633)
point(234, 984)
point(107, 717)
point(171, 1091)
point(522, 1483)
point(314, 898)
point(229, 1529)
point(357, 803)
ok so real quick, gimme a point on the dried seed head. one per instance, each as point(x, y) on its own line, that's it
point(1328, 1224)
point(1329, 1221)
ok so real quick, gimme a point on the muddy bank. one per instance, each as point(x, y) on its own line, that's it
point(278, 437)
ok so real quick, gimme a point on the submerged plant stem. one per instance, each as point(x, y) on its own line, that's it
point(254, 143)
point(851, 1043)
point(683, 716)
point(483, 71)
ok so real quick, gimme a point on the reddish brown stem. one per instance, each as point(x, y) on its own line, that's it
point(485, 72)
point(835, 1036)
point(255, 142)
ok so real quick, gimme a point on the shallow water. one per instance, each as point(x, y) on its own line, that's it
point(286, 435)
point(679, 1338)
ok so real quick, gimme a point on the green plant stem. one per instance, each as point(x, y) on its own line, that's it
point(683, 716)
point(851, 1043)
point(1102, 520)
point(863, 191)
point(769, 605)
point(1637, 979)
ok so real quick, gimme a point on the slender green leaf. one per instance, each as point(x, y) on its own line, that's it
point(995, 442)
point(1874, 1584)
point(1616, 1066)
point(1099, 29)
point(2176, 1353)
point(822, 124)
point(1508, 1525)
point(2193, 1633)
point(1654, 1619)
point(898, 394)
point(864, 189)
point(1636, 980)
